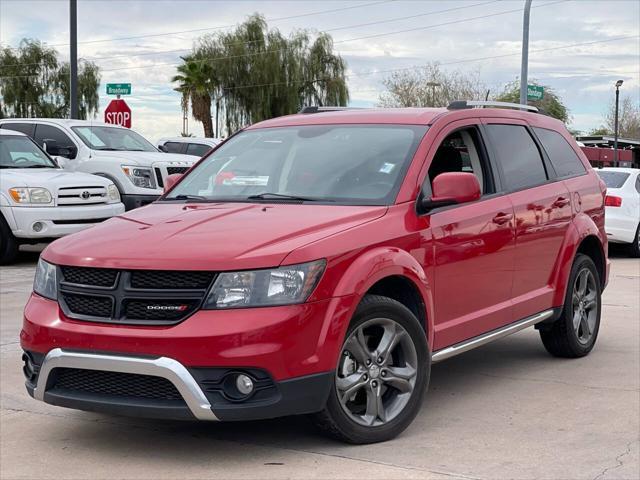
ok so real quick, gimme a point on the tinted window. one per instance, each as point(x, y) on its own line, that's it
point(47, 133)
point(564, 159)
point(197, 149)
point(518, 155)
point(613, 179)
point(26, 128)
point(173, 147)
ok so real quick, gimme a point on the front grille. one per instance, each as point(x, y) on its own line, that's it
point(78, 196)
point(89, 305)
point(162, 310)
point(170, 279)
point(115, 384)
point(140, 297)
point(172, 170)
point(98, 277)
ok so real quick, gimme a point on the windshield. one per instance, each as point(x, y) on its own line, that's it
point(613, 179)
point(21, 152)
point(113, 138)
point(342, 164)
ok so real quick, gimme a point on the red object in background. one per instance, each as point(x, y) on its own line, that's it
point(118, 113)
point(612, 201)
point(603, 157)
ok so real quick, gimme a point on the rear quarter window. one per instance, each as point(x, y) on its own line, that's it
point(564, 159)
point(613, 179)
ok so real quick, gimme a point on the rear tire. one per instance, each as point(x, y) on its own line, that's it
point(377, 391)
point(574, 334)
point(8, 243)
point(634, 248)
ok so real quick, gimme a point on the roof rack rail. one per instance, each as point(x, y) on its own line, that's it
point(317, 109)
point(462, 104)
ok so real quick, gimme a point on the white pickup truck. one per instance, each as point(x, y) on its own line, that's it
point(40, 201)
point(123, 156)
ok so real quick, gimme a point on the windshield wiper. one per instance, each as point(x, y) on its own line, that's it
point(187, 197)
point(39, 166)
point(283, 196)
point(107, 149)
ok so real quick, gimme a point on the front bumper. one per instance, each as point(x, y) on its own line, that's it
point(57, 221)
point(290, 351)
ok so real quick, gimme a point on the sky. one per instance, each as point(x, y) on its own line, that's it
point(577, 47)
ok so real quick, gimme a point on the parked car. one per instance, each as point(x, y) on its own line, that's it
point(622, 207)
point(39, 201)
point(319, 264)
point(187, 145)
point(123, 156)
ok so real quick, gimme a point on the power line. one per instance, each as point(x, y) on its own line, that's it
point(161, 52)
point(222, 27)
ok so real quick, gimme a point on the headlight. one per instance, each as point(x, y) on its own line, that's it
point(113, 193)
point(259, 288)
point(139, 176)
point(44, 283)
point(30, 195)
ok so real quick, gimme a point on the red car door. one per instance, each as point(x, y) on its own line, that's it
point(543, 213)
point(473, 244)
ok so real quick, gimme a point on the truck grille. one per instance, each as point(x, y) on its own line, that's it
point(172, 170)
point(78, 196)
point(115, 384)
point(162, 172)
point(147, 297)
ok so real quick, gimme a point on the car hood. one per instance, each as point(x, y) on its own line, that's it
point(220, 236)
point(49, 178)
point(146, 158)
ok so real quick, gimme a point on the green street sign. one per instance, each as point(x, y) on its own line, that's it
point(534, 92)
point(118, 89)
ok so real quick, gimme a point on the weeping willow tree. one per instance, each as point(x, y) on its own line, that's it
point(34, 83)
point(256, 73)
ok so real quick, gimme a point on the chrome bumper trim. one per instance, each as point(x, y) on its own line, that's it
point(163, 367)
point(483, 339)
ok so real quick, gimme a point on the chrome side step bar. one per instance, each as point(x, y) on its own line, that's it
point(485, 338)
point(163, 367)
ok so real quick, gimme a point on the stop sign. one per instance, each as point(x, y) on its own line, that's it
point(118, 113)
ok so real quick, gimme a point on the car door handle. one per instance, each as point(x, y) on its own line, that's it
point(561, 202)
point(502, 218)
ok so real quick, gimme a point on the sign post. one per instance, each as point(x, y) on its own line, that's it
point(535, 92)
point(118, 113)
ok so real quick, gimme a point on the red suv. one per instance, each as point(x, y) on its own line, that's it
point(319, 263)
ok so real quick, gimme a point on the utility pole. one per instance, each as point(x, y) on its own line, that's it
point(524, 69)
point(73, 58)
point(615, 127)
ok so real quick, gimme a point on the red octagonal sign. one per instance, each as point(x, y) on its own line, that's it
point(118, 113)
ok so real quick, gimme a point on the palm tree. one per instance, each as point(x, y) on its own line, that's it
point(195, 85)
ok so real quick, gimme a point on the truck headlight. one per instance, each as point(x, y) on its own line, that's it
point(259, 288)
point(44, 283)
point(31, 195)
point(139, 176)
point(113, 193)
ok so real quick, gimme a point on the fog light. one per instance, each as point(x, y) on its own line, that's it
point(244, 384)
point(37, 227)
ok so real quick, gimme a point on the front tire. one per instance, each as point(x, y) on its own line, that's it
point(381, 376)
point(574, 334)
point(8, 244)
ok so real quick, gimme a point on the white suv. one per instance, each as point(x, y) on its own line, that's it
point(40, 201)
point(136, 167)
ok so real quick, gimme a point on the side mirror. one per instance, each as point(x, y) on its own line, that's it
point(55, 150)
point(452, 188)
point(162, 148)
point(171, 180)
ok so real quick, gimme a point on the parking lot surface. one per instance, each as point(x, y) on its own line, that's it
point(507, 410)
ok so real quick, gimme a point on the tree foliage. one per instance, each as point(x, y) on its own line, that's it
point(254, 73)
point(34, 83)
point(194, 83)
point(551, 102)
point(430, 86)
point(628, 118)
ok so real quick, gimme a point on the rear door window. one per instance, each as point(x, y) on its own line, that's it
point(197, 149)
point(518, 156)
point(564, 159)
point(26, 128)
